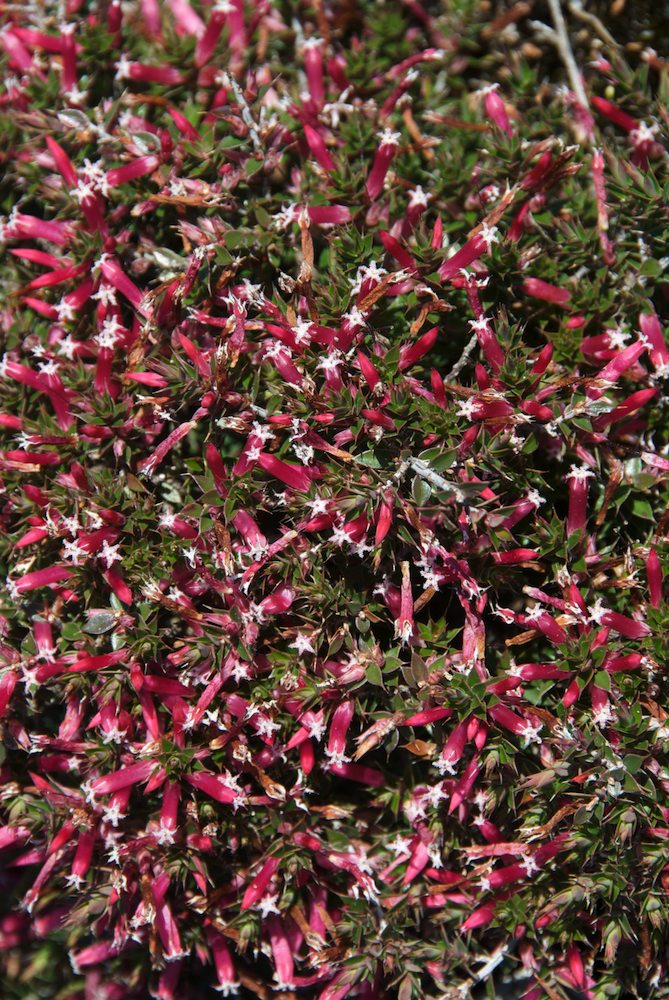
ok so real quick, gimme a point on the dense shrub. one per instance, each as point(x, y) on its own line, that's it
point(334, 512)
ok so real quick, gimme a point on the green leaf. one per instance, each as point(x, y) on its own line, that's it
point(373, 675)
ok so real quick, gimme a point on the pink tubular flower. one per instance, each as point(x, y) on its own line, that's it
point(636, 401)
point(514, 556)
point(618, 365)
point(187, 19)
point(539, 289)
point(116, 276)
point(329, 215)
point(166, 925)
point(495, 109)
point(427, 716)
point(130, 171)
point(339, 726)
point(93, 954)
point(615, 114)
point(215, 787)
point(291, 475)
point(413, 352)
point(8, 681)
point(654, 578)
point(82, 857)
point(216, 467)
point(19, 56)
point(39, 578)
point(313, 67)
point(142, 73)
point(465, 785)
point(480, 917)
point(384, 517)
point(396, 250)
point(658, 351)
point(516, 724)
point(597, 170)
point(318, 148)
point(29, 227)
point(537, 175)
point(227, 985)
point(404, 624)
point(453, 749)
point(578, 497)
point(208, 39)
point(126, 777)
point(282, 953)
point(256, 888)
point(479, 244)
point(385, 153)
point(62, 161)
point(149, 465)
point(368, 370)
point(628, 627)
point(616, 664)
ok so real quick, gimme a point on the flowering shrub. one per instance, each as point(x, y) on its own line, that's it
point(335, 471)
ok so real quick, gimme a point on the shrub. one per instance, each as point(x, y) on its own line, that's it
point(334, 523)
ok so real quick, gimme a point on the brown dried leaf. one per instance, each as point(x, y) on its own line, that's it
point(420, 748)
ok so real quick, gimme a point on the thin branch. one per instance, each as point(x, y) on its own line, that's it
point(577, 9)
point(229, 81)
point(423, 470)
point(462, 360)
point(563, 46)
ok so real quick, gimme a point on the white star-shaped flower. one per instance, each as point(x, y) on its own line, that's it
point(113, 814)
point(66, 311)
point(489, 235)
point(266, 726)
point(267, 905)
point(123, 68)
point(109, 554)
point(49, 367)
point(617, 338)
point(318, 506)
point(67, 346)
point(106, 294)
point(74, 552)
point(164, 835)
point(480, 325)
point(354, 317)
point(190, 555)
point(389, 138)
point(418, 197)
point(340, 537)
point(109, 335)
point(315, 728)
point(336, 758)
point(535, 498)
point(302, 643)
point(303, 330)
point(331, 362)
point(531, 733)
point(400, 845)
point(580, 474)
point(466, 408)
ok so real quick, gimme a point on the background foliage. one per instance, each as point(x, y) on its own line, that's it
point(334, 501)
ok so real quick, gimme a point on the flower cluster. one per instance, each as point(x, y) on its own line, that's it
point(334, 476)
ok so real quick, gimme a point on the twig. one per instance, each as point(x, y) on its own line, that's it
point(462, 360)
point(576, 7)
point(563, 46)
point(247, 117)
point(492, 963)
point(423, 470)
